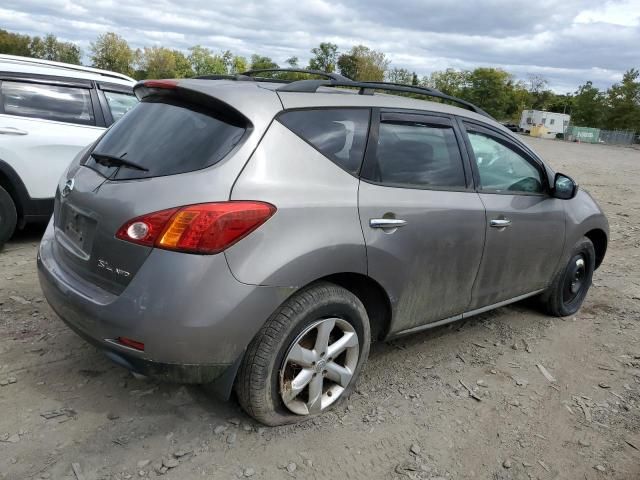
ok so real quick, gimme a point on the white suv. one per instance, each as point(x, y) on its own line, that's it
point(49, 111)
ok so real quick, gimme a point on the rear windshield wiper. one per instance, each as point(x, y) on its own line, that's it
point(113, 161)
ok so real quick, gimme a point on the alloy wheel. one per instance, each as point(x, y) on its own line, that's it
point(319, 366)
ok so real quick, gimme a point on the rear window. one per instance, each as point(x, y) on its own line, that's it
point(48, 102)
point(167, 137)
point(340, 134)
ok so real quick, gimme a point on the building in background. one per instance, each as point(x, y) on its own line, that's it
point(543, 124)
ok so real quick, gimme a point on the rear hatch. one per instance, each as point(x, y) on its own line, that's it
point(176, 147)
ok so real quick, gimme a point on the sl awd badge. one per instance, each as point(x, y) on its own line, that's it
point(68, 187)
point(109, 268)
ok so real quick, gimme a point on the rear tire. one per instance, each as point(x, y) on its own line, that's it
point(571, 283)
point(8, 217)
point(276, 388)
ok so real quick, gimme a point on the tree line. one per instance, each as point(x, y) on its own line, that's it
point(495, 90)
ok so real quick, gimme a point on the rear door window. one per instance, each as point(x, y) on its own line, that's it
point(48, 102)
point(340, 134)
point(167, 137)
point(415, 151)
point(120, 103)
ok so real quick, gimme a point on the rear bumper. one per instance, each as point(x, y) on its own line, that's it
point(194, 318)
point(161, 371)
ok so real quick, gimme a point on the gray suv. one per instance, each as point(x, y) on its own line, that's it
point(258, 234)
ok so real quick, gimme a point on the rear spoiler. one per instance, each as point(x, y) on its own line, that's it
point(172, 90)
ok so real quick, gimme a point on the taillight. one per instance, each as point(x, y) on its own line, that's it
point(204, 228)
point(128, 342)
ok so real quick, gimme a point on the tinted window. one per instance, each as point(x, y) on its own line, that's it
point(501, 168)
point(167, 138)
point(339, 134)
point(120, 103)
point(49, 102)
point(418, 155)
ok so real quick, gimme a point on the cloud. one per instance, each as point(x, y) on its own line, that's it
point(568, 42)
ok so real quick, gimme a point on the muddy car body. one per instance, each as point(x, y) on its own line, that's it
point(328, 217)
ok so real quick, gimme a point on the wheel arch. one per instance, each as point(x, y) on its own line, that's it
point(372, 295)
point(599, 239)
point(11, 182)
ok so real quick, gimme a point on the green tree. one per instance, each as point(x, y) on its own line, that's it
point(292, 62)
point(362, 63)
point(158, 62)
point(50, 48)
point(227, 60)
point(324, 57)
point(258, 62)
point(239, 64)
point(400, 75)
point(539, 94)
point(519, 100)
point(449, 81)
point(490, 89)
point(112, 52)
point(560, 103)
point(588, 106)
point(348, 65)
point(183, 66)
point(203, 62)
point(69, 53)
point(161, 62)
point(623, 100)
point(14, 44)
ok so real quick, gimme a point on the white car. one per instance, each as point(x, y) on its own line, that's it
point(49, 111)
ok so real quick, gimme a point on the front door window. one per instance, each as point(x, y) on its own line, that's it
point(501, 168)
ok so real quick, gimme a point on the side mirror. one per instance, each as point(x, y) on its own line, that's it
point(564, 187)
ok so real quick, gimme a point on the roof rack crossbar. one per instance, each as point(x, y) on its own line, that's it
point(333, 76)
point(367, 88)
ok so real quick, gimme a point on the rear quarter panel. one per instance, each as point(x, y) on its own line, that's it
point(316, 229)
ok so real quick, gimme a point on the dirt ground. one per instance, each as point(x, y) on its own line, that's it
point(68, 413)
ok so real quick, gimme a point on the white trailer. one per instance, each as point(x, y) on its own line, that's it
point(553, 122)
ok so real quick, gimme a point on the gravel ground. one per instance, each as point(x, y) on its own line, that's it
point(68, 413)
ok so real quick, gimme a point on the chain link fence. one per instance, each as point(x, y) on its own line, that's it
point(574, 133)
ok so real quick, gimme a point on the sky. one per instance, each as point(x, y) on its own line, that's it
point(568, 41)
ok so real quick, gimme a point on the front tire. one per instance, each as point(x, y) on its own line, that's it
point(307, 357)
point(571, 284)
point(8, 217)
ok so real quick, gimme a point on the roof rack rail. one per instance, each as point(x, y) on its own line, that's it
point(239, 77)
point(367, 88)
point(333, 76)
point(66, 66)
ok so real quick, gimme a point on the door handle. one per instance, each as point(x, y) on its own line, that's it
point(12, 131)
point(386, 223)
point(500, 223)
